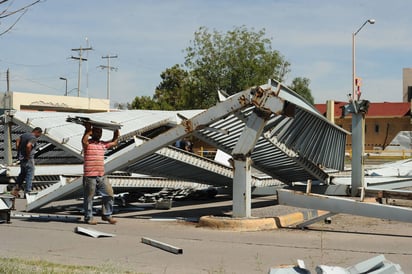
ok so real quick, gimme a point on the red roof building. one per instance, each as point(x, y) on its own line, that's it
point(383, 122)
point(382, 109)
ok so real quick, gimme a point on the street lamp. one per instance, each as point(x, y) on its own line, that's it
point(358, 126)
point(355, 96)
point(65, 79)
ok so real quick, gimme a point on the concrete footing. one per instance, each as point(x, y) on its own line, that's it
point(257, 224)
point(237, 224)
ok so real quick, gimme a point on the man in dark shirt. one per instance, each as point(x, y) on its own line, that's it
point(26, 148)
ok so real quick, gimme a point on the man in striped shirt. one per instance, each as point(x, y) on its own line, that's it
point(94, 180)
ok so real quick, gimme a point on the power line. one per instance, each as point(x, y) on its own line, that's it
point(109, 68)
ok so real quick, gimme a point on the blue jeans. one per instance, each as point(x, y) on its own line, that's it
point(97, 185)
point(26, 174)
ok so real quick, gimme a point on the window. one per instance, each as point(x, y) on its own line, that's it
point(376, 128)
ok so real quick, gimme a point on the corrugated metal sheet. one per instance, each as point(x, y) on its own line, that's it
point(69, 134)
point(268, 157)
point(58, 155)
point(66, 137)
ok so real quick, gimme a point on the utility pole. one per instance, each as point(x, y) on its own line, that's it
point(109, 68)
point(80, 50)
point(8, 80)
point(87, 68)
point(8, 124)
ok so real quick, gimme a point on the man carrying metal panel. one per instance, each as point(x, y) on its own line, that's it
point(26, 148)
point(94, 180)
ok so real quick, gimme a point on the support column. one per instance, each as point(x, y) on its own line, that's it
point(8, 156)
point(330, 111)
point(242, 166)
point(358, 145)
point(242, 188)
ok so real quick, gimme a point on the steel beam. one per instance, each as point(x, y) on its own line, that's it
point(56, 218)
point(242, 189)
point(164, 246)
point(344, 205)
point(315, 220)
point(358, 142)
point(42, 170)
point(242, 177)
point(53, 193)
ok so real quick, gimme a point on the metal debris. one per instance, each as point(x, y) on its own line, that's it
point(91, 232)
point(166, 247)
point(163, 204)
point(48, 217)
point(290, 269)
point(375, 265)
point(81, 120)
point(6, 205)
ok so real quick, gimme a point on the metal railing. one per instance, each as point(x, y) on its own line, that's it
point(397, 154)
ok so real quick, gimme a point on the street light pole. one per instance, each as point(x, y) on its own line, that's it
point(65, 79)
point(355, 96)
point(358, 126)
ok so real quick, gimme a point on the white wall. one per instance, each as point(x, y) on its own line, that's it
point(28, 101)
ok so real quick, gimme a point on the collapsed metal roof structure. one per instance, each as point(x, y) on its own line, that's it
point(269, 128)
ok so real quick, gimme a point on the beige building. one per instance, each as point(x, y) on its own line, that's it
point(44, 102)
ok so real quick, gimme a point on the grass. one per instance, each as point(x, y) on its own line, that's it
point(23, 266)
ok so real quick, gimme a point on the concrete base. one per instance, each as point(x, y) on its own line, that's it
point(258, 224)
point(237, 224)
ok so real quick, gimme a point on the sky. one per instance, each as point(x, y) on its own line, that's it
point(148, 36)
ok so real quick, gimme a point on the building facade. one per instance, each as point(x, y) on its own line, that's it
point(383, 122)
point(44, 102)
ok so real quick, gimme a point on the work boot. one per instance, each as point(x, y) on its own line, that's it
point(90, 222)
point(109, 219)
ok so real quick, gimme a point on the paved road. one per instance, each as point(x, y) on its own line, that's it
point(346, 241)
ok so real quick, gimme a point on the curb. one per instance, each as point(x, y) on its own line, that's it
point(237, 224)
point(298, 217)
point(258, 224)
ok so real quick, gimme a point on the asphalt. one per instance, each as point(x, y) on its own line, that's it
point(346, 241)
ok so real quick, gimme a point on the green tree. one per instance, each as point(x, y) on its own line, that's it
point(118, 105)
point(300, 85)
point(231, 61)
point(144, 102)
point(170, 93)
